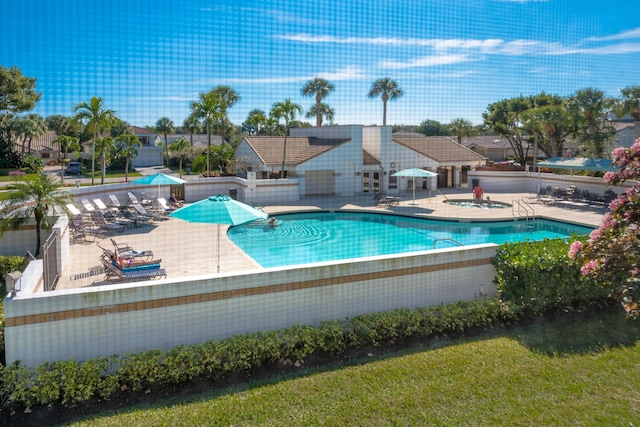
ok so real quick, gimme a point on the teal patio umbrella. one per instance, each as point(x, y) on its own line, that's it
point(413, 173)
point(158, 179)
point(219, 209)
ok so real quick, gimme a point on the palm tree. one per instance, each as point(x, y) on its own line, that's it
point(325, 111)
point(321, 88)
point(128, 145)
point(630, 103)
point(461, 127)
point(389, 90)
point(181, 147)
point(208, 109)
point(255, 119)
point(228, 98)
point(97, 118)
point(102, 147)
point(37, 127)
point(34, 196)
point(66, 143)
point(165, 126)
point(285, 110)
point(192, 125)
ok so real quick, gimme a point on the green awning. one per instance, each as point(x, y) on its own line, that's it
point(578, 163)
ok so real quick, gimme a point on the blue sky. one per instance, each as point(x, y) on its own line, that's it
point(149, 59)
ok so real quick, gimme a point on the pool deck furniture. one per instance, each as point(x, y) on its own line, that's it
point(115, 274)
point(178, 243)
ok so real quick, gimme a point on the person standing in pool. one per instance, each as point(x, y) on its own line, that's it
point(477, 194)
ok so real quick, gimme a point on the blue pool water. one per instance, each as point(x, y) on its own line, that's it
point(302, 238)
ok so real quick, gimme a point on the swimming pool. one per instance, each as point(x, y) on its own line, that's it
point(308, 237)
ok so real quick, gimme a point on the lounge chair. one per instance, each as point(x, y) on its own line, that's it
point(81, 229)
point(126, 251)
point(101, 206)
point(134, 200)
point(100, 221)
point(73, 210)
point(136, 219)
point(114, 273)
point(144, 199)
point(164, 205)
point(87, 205)
point(143, 212)
point(114, 201)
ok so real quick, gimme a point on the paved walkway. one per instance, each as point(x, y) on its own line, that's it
point(189, 249)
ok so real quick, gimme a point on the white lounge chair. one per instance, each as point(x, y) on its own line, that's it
point(114, 201)
point(73, 210)
point(88, 206)
point(164, 205)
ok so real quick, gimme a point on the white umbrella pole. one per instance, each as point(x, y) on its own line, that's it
point(414, 191)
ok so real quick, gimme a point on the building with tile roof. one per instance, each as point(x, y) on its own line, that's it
point(355, 159)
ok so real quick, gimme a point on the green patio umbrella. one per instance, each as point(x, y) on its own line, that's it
point(158, 179)
point(415, 172)
point(219, 209)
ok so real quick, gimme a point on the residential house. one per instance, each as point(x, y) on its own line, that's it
point(42, 147)
point(355, 159)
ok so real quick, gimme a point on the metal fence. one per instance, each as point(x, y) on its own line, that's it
point(50, 261)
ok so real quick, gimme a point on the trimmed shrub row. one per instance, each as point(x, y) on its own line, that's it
point(69, 381)
point(538, 277)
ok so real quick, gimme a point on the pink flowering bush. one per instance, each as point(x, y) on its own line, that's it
point(611, 256)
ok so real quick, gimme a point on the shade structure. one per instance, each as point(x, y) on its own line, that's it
point(413, 173)
point(219, 210)
point(158, 179)
point(576, 163)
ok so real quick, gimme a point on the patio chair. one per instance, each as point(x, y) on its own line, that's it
point(101, 206)
point(73, 210)
point(87, 205)
point(126, 251)
point(114, 201)
point(132, 198)
point(80, 229)
point(144, 199)
point(100, 221)
point(164, 205)
point(114, 273)
point(143, 212)
point(136, 219)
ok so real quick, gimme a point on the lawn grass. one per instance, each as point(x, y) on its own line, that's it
point(571, 370)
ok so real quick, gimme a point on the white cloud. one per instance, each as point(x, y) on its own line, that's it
point(348, 73)
point(635, 33)
point(426, 61)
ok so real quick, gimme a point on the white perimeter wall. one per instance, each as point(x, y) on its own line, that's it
point(116, 319)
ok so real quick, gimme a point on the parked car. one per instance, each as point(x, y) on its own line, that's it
point(74, 168)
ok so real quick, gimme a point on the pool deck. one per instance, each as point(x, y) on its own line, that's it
point(189, 249)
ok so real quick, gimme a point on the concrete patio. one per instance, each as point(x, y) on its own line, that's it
point(189, 249)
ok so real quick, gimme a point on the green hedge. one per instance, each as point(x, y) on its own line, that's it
point(69, 381)
point(537, 277)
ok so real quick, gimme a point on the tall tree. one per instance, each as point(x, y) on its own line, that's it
point(103, 147)
point(387, 89)
point(207, 108)
point(462, 128)
point(66, 143)
point(321, 88)
point(191, 125)
point(227, 97)
point(255, 119)
point(17, 95)
point(35, 196)
point(165, 126)
point(629, 103)
point(181, 147)
point(128, 145)
point(325, 111)
point(433, 128)
point(505, 119)
point(97, 118)
point(286, 110)
point(63, 125)
point(594, 131)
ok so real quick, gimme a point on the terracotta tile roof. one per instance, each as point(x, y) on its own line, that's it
point(368, 159)
point(141, 131)
point(299, 149)
point(439, 148)
point(42, 143)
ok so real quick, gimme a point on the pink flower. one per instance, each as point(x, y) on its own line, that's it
point(595, 234)
point(574, 249)
point(589, 267)
point(609, 177)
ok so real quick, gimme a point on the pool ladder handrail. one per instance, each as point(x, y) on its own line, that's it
point(522, 205)
point(446, 239)
point(254, 204)
point(441, 193)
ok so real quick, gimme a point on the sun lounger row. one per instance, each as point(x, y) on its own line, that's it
point(386, 200)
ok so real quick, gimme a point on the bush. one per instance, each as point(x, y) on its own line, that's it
point(538, 277)
point(66, 382)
